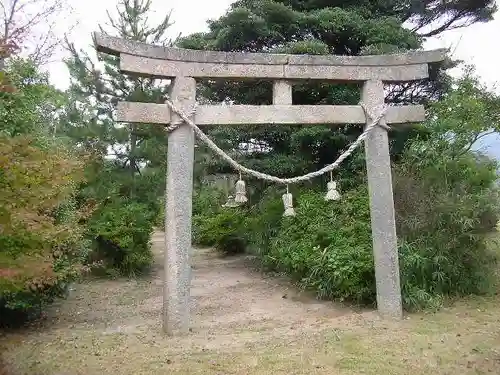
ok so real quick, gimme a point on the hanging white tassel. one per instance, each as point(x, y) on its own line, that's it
point(230, 202)
point(332, 194)
point(241, 197)
point(288, 203)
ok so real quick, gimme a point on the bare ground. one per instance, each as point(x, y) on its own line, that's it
point(242, 324)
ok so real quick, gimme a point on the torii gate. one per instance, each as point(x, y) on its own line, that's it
point(184, 66)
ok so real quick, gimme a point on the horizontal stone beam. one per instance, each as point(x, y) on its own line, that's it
point(149, 67)
point(151, 113)
point(117, 46)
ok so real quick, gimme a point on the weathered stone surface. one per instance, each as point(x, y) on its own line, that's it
point(151, 113)
point(408, 58)
point(394, 73)
point(178, 212)
point(117, 46)
point(150, 67)
point(282, 92)
point(385, 247)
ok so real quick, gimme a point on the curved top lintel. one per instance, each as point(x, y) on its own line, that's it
point(116, 46)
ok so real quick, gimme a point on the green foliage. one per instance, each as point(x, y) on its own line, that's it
point(128, 164)
point(427, 17)
point(445, 215)
point(42, 244)
point(327, 246)
point(447, 199)
point(160, 217)
point(33, 106)
point(122, 232)
point(447, 206)
point(314, 27)
point(466, 113)
point(263, 221)
point(223, 230)
point(443, 232)
point(214, 225)
point(208, 200)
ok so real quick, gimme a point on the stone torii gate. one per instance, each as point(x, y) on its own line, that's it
point(184, 66)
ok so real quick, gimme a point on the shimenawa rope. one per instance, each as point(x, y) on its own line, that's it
point(184, 118)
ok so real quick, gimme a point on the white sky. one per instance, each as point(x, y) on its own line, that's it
point(476, 44)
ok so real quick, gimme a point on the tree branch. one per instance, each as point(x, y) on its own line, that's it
point(22, 21)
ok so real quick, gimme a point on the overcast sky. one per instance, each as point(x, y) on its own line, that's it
point(476, 44)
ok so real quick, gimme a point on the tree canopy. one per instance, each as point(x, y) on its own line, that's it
point(322, 27)
point(128, 169)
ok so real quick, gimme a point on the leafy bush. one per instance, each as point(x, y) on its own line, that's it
point(207, 203)
point(446, 210)
point(443, 232)
point(41, 242)
point(121, 231)
point(208, 200)
point(214, 225)
point(31, 107)
point(223, 230)
point(327, 246)
point(263, 221)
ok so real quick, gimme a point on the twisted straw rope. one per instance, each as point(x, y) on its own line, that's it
point(184, 118)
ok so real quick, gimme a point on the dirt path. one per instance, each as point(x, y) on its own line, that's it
point(242, 325)
point(109, 323)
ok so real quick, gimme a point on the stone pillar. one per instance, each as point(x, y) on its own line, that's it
point(383, 223)
point(282, 92)
point(178, 212)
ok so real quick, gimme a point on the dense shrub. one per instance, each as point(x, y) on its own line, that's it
point(445, 212)
point(223, 230)
point(263, 221)
point(42, 245)
point(327, 246)
point(208, 200)
point(214, 225)
point(442, 228)
point(121, 231)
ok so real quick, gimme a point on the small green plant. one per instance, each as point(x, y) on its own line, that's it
point(263, 222)
point(222, 230)
point(121, 231)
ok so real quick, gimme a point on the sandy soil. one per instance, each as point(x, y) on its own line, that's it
point(233, 306)
point(245, 323)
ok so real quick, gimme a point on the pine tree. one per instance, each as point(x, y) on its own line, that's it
point(126, 176)
point(351, 27)
point(136, 151)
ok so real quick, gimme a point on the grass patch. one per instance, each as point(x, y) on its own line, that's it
point(114, 327)
point(461, 339)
